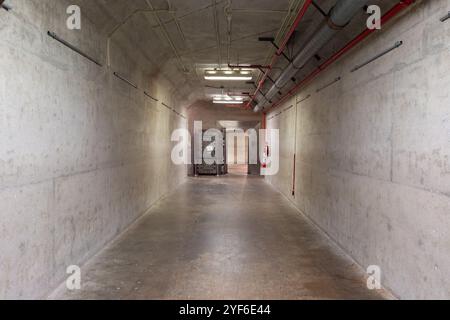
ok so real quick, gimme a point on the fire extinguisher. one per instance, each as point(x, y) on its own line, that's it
point(266, 155)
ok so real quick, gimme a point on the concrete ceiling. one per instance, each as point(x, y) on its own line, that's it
point(181, 38)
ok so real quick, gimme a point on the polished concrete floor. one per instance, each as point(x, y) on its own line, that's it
point(232, 237)
point(238, 169)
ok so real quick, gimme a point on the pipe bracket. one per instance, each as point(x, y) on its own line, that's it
point(445, 18)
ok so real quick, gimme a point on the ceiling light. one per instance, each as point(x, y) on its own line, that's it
point(227, 102)
point(211, 72)
point(227, 75)
point(227, 98)
point(245, 72)
point(222, 97)
point(229, 78)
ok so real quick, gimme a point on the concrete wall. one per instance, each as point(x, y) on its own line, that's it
point(82, 154)
point(210, 114)
point(373, 154)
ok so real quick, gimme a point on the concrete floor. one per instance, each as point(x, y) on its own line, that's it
point(222, 238)
point(238, 169)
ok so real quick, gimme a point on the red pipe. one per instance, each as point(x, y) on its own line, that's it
point(293, 175)
point(299, 18)
point(264, 121)
point(399, 7)
point(275, 57)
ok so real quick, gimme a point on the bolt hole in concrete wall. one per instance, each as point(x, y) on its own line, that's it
point(373, 154)
point(82, 154)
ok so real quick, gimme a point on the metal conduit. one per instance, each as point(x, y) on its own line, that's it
point(339, 16)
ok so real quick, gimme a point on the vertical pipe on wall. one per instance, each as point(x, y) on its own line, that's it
point(295, 151)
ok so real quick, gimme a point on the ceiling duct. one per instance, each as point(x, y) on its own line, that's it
point(338, 18)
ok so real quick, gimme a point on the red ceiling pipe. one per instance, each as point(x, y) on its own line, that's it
point(297, 21)
point(264, 121)
point(288, 36)
point(398, 8)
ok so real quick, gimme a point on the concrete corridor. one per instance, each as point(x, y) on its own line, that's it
point(222, 238)
point(110, 108)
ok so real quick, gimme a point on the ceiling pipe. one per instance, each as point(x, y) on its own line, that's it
point(338, 18)
point(248, 66)
point(283, 45)
point(294, 26)
point(392, 13)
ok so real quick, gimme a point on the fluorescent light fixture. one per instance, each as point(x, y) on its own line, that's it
point(228, 99)
point(211, 72)
point(222, 97)
point(229, 78)
point(228, 75)
point(227, 102)
point(245, 72)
